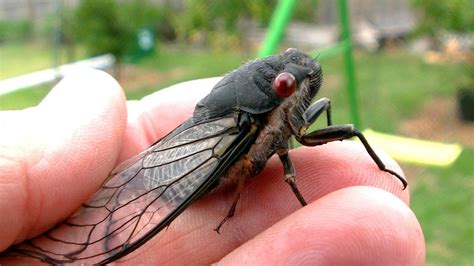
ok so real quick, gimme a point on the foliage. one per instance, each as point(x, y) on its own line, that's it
point(305, 10)
point(211, 20)
point(60, 27)
point(110, 26)
point(99, 27)
point(453, 15)
point(15, 30)
point(142, 13)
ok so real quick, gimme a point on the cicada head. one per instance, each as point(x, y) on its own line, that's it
point(261, 86)
point(296, 85)
point(303, 71)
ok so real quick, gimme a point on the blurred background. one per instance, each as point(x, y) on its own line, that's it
point(403, 68)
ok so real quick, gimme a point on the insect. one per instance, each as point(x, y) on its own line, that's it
point(248, 116)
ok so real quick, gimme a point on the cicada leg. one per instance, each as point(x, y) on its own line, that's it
point(290, 176)
point(316, 109)
point(310, 115)
point(231, 212)
point(337, 132)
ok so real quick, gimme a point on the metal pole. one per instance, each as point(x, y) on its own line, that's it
point(280, 19)
point(349, 62)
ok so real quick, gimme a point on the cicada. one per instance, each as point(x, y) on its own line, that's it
point(248, 116)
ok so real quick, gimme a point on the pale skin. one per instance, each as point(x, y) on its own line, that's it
point(54, 156)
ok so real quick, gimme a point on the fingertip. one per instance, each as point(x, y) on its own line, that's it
point(336, 165)
point(352, 226)
point(65, 147)
point(85, 101)
point(84, 85)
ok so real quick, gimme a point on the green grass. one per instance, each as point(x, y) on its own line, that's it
point(21, 58)
point(389, 85)
point(392, 86)
point(443, 200)
point(190, 64)
point(24, 98)
point(402, 81)
point(17, 59)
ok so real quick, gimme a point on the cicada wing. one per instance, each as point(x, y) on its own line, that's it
point(142, 196)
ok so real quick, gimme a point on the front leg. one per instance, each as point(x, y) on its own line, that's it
point(316, 109)
point(341, 132)
point(333, 133)
point(300, 124)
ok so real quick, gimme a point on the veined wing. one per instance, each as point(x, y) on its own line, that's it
point(143, 194)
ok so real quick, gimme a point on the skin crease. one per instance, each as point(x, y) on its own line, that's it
point(356, 213)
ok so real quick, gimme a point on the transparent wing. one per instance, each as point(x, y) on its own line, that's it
point(141, 196)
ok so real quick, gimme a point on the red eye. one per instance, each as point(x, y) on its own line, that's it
point(284, 84)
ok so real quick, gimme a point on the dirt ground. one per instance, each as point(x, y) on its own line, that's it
point(438, 120)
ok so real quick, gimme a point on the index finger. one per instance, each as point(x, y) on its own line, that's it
point(266, 200)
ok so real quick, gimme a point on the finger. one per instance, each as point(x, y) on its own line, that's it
point(353, 226)
point(265, 200)
point(335, 170)
point(55, 155)
point(324, 169)
point(157, 114)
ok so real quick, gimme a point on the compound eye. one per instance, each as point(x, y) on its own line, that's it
point(284, 85)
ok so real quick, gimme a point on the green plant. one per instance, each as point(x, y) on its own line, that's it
point(209, 21)
point(453, 15)
point(110, 26)
point(142, 13)
point(61, 27)
point(100, 28)
point(304, 10)
point(15, 30)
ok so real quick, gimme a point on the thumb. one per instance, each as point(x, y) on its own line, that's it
point(55, 155)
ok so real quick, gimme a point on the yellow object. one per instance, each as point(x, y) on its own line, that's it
point(414, 150)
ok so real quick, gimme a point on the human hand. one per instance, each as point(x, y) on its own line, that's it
point(53, 157)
